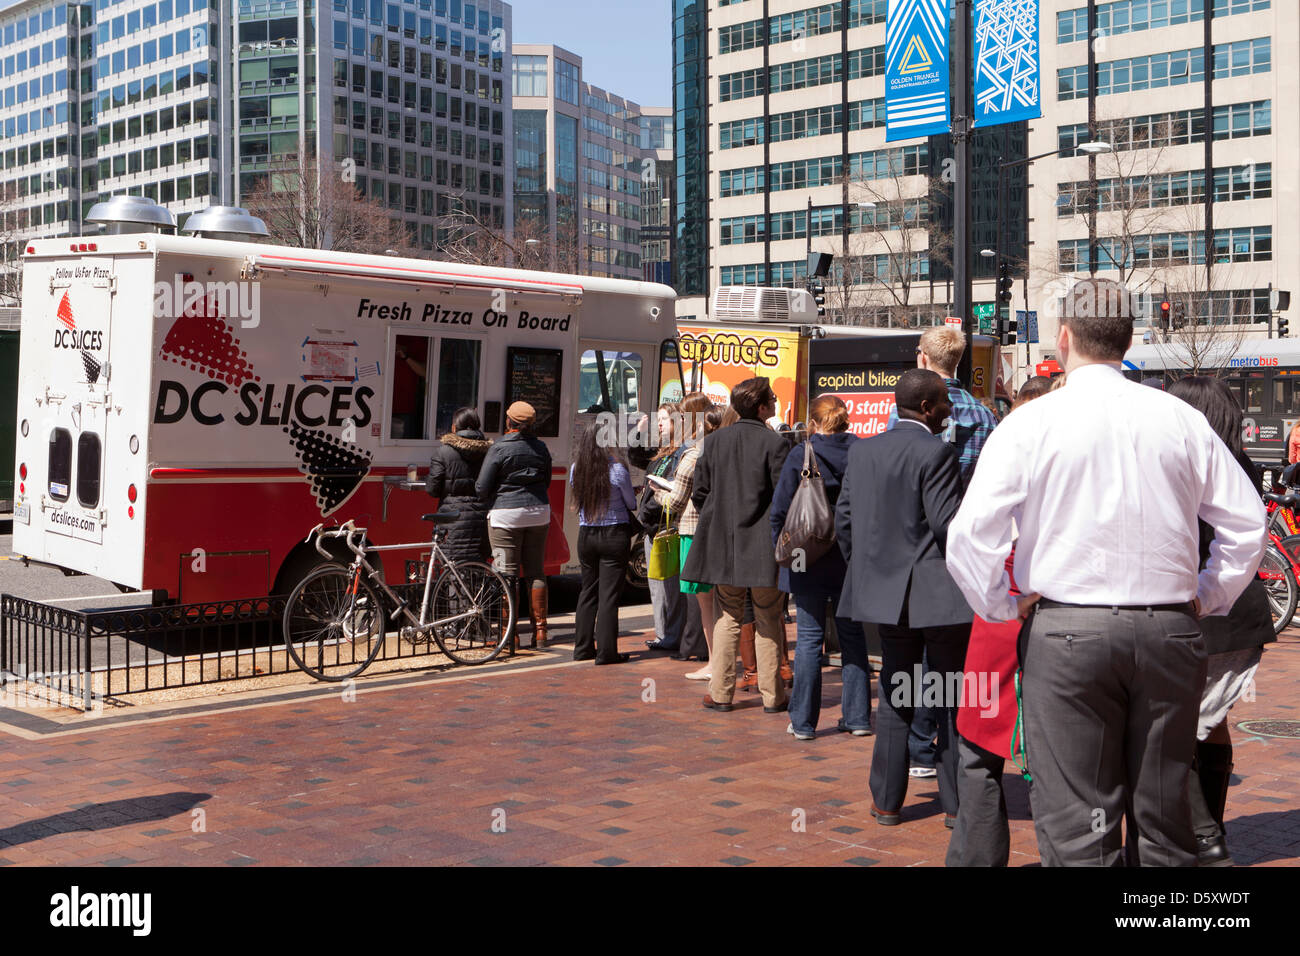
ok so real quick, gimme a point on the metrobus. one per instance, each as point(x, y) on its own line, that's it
point(189, 408)
point(1264, 375)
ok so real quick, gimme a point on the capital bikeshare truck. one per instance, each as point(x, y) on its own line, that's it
point(189, 408)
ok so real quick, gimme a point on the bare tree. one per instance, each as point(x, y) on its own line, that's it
point(311, 206)
point(469, 237)
point(1149, 223)
point(881, 268)
point(11, 223)
point(1203, 336)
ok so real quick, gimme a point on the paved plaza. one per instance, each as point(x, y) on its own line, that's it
point(534, 761)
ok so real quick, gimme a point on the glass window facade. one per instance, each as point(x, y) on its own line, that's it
point(1131, 16)
point(566, 81)
point(529, 75)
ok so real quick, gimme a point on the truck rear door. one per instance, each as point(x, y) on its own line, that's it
point(75, 314)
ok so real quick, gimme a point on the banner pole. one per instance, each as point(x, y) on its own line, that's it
point(963, 110)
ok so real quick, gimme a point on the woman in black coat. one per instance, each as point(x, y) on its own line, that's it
point(456, 460)
point(1234, 643)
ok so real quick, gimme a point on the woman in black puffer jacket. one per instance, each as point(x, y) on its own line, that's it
point(453, 470)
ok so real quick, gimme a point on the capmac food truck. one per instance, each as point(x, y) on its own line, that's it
point(189, 408)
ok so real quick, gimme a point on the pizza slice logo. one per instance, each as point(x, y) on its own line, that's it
point(334, 468)
point(206, 344)
point(65, 313)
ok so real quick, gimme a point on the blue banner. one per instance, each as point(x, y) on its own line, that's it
point(1008, 81)
point(916, 69)
point(1027, 326)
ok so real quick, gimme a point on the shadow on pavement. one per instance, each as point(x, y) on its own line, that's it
point(1281, 827)
point(103, 816)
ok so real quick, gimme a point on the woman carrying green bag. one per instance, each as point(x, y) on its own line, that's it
point(665, 594)
point(700, 417)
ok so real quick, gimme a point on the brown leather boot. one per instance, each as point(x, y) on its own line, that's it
point(787, 672)
point(538, 614)
point(748, 659)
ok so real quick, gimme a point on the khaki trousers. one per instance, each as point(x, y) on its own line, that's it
point(730, 604)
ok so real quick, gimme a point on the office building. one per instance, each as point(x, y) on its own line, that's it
point(1205, 220)
point(577, 167)
point(657, 180)
point(780, 149)
point(194, 102)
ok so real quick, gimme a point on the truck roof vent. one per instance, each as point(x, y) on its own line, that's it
point(226, 222)
point(736, 303)
point(126, 214)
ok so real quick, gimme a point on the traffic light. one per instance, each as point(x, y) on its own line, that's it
point(1007, 329)
point(1281, 326)
point(1005, 283)
point(818, 290)
point(1178, 316)
point(1165, 315)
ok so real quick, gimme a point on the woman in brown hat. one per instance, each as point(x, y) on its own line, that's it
point(514, 484)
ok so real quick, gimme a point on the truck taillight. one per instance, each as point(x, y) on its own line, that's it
point(22, 471)
point(130, 511)
point(130, 494)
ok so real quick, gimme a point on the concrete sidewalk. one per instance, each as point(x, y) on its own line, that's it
point(545, 762)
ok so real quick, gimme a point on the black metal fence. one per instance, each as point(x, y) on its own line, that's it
point(94, 654)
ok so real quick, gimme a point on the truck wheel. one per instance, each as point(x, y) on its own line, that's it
point(636, 579)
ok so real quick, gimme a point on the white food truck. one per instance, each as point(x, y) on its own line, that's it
point(189, 407)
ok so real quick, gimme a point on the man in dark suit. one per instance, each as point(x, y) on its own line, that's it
point(735, 478)
point(900, 490)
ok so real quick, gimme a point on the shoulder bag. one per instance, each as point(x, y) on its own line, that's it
point(809, 530)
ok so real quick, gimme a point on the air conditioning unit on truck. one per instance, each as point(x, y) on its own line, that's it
point(750, 331)
point(189, 407)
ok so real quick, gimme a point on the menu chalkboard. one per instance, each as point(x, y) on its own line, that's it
point(533, 376)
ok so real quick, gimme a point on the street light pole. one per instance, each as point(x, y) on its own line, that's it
point(962, 121)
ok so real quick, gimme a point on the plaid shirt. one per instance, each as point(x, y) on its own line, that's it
point(969, 427)
point(678, 501)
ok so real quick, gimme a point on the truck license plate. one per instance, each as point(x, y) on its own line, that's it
point(23, 513)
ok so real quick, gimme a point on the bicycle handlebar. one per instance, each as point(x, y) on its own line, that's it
point(348, 530)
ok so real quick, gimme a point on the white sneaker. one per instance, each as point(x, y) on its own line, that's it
point(701, 674)
point(789, 729)
point(923, 772)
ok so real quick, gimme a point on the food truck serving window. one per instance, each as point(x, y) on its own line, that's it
point(457, 379)
point(60, 465)
point(409, 387)
point(454, 362)
point(533, 376)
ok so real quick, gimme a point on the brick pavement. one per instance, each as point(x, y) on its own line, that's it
point(577, 763)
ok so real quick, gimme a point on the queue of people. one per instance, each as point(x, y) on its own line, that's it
point(1072, 590)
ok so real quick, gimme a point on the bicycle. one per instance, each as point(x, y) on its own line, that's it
point(1279, 569)
point(335, 617)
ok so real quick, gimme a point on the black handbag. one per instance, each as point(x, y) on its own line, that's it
point(809, 530)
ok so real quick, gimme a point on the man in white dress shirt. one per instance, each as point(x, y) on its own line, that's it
point(1105, 480)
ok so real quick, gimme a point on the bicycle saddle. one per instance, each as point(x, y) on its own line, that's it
point(441, 517)
point(1284, 501)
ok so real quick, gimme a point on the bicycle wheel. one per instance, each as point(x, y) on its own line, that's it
point(332, 629)
point(475, 603)
point(1280, 583)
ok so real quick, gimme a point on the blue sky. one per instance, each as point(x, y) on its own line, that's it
point(626, 46)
